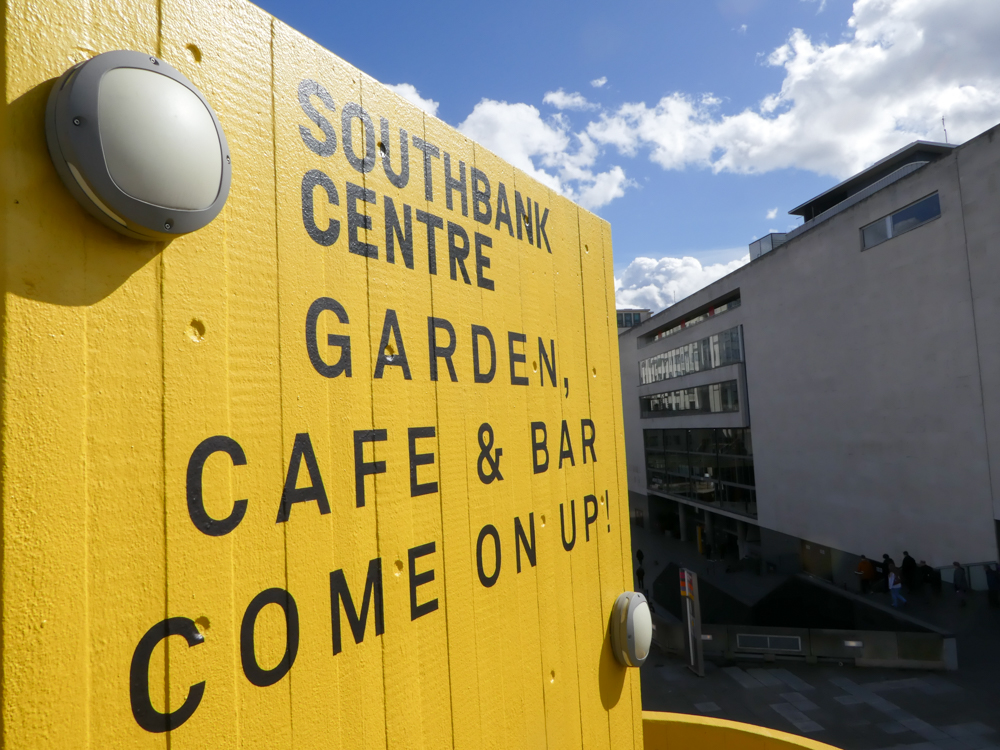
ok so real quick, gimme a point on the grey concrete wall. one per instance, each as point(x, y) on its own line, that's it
point(873, 377)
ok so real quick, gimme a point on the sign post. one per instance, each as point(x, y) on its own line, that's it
point(689, 594)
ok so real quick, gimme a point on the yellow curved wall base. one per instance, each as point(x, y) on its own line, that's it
point(665, 731)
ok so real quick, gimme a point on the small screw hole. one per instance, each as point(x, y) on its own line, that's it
point(77, 121)
point(194, 52)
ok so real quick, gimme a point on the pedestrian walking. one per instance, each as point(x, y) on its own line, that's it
point(640, 575)
point(896, 586)
point(993, 584)
point(638, 555)
point(961, 583)
point(866, 574)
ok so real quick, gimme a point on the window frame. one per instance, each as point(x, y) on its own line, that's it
point(888, 221)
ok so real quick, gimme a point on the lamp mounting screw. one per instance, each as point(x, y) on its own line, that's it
point(77, 120)
point(167, 225)
point(154, 61)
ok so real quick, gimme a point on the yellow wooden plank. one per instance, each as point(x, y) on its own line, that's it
point(339, 701)
point(622, 506)
point(540, 277)
point(615, 690)
point(220, 342)
point(417, 689)
point(506, 611)
point(81, 475)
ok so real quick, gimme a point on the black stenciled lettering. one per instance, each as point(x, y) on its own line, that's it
point(482, 261)
point(503, 210)
point(539, 446)
point(393, 232)
point(516, 357)
point(429, 150)
point(387, 355)
point(588, 440)
point(547, 364)
point(420, 459)
point(328, 145)
point(356, 221)
point(302, 450)
point(403, 177)
point(143, 712)
point(433, 223)
point(195, 499)
point(310, 180)
point(488, 530)
point(478, 375)
point(588, 517)
point(339, 592)
point(343, 364)
point(522, 216)
point(347, 114)
point(459, 185)
point(565, 445)
point(248, 656)
point(481, 197)
point(419, 579)
point(458, 253)
point(438, 352)
point(568, 545)
point(540, 228)
point(520, 538)
point(362, 468)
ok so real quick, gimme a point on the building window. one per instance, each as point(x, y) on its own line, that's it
point(705, 354)
point(915, 215)
point(710, 466)
point(629, 319)
point(716, 398)
point(695, 319)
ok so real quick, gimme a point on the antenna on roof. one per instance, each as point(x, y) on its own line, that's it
point(945, 130)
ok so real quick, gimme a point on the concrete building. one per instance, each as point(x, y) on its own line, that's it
point(840, 393)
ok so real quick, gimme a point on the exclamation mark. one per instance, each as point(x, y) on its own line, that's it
point(607, 507)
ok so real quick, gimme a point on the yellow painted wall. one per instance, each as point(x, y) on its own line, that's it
point(121, 357)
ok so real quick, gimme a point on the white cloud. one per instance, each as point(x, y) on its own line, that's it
point(598, 82)
point(409, 92)
point(656, 284)
point(772, 213)
point(822, 5)
point(561, 100)
point(742, 29)
point(902, 65)
point(545, 150)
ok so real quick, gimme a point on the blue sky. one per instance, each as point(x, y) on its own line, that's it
point(715, 117)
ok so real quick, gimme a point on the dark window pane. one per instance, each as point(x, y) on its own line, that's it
point(675, 440)
point(653, 438)
point(620, 322)
point(702, 441)
point(678, 485)
point(677, 463)
point(915, 215)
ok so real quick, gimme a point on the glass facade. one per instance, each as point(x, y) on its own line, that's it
point(711, 466)
point(716, 398)
point(629, 319)
point(694, 320)
point(911, 217)
point(721, 349)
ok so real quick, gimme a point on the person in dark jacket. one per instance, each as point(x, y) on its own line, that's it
point(907, 571)
point(960, 580)
point(640, 575)
point(993, 584)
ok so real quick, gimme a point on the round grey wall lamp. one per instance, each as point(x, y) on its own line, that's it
point(631, 629)
point(138, 145)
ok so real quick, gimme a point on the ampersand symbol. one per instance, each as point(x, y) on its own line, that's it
point(486, 444)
